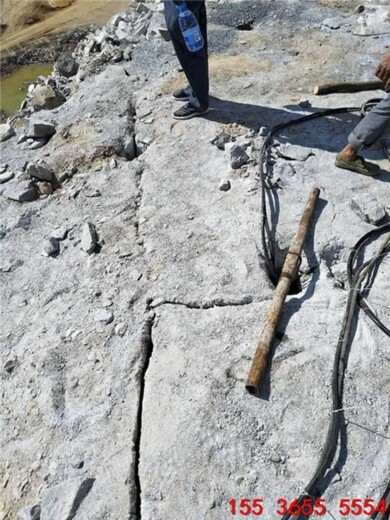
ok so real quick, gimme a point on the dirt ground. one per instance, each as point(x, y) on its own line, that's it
point(51, 21)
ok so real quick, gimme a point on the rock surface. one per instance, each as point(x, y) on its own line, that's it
point(128, 366)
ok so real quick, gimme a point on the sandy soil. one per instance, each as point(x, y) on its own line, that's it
point(51, 21)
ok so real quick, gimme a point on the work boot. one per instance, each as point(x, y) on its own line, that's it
point(188, 112)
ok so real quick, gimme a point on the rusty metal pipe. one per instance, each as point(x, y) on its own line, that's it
point(288, 274)
point(344, 88)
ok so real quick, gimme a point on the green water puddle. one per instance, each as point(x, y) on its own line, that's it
point(13, 88)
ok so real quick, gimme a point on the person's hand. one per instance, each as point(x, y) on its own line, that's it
point(383, 71)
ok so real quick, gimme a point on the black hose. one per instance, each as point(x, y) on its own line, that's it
point(356, 277)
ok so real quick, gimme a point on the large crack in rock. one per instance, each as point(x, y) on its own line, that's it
point(205, 441)
point(135, 482)
point(162, 423)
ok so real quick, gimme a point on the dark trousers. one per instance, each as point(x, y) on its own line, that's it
point(194, 64)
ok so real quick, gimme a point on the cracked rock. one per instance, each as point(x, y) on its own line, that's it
point(30, 513)
point(237, 155)
point(89, 238)
point(61, 502)
point(6, 132)
point(22, 191)
point(368, 208)
point(294, 152)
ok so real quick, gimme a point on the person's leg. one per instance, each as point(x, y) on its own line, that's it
point(368, 130)
point(194, 64)
point(365, 134)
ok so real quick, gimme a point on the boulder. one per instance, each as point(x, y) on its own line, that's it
point(45, 97)
point(66, 65)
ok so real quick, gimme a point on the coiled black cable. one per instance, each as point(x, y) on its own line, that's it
point(356, 277)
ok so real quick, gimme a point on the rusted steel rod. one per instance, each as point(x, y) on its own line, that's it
point(345, 88)
point(288, 274)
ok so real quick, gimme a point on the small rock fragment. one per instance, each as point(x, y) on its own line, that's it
point(44, 188)
point(6, 132)
point(104, 316)
point(164, 33)
point(89, 238)
point(30, 513)
point(339, 272)
point(263, 131)
point(9, 365)
point(113, 163)
point(38, 143)
point(221, 139)
point(237, 155)
point(22, 191)
point(224, 185)
point(51, 247)
point(61, 502)
point(60, 233)
point(129, 148)
point(331, 23)
point(368, 208)
point(40, 129)
point(21, 139)
point(66, 65)
point(304, 103)
point(5, 177)
point(120, 329)
point(40, 170)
